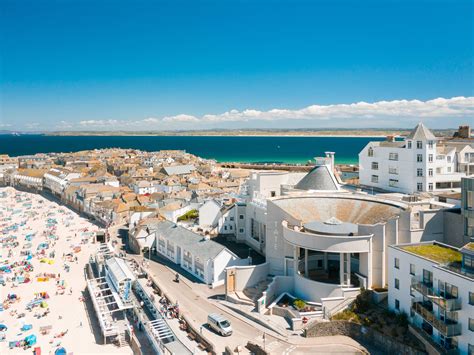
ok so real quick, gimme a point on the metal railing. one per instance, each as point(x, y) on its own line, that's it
point(427, 290)
point(445, 328)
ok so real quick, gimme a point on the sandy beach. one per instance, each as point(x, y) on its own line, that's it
point(44, 247)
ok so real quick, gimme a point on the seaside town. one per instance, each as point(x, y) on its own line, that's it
point(121, 251)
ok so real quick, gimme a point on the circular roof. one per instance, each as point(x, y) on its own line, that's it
point(331, 227)
point(348, 209)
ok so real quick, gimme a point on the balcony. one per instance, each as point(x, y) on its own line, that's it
point(447, 327)
point(427, 290)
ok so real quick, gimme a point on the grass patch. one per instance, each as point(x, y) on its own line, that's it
point(436, 253)
point(193, 214)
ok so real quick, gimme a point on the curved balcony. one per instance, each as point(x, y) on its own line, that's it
point(324, 242)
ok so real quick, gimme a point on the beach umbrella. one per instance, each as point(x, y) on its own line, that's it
point(60, 351)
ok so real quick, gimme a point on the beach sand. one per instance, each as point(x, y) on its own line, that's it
point(67, 312)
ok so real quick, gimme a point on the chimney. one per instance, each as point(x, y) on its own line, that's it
point(330, 156)
point(464, 132)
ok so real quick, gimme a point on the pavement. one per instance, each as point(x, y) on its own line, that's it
point(196, 301)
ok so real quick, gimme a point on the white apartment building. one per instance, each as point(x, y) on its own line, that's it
point(433, 284)
point(56, 180)
point(419, 163)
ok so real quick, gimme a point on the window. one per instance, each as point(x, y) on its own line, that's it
point(419, 144)
point(393, 183)
point(419, 172)
point(430, 186)
point(375, 178)
point(397, 284)
point(467, 261)
point(397, 304)
point(375, 165)
point(449, 169)
point(419, 158)
point(449, 158)
point(471, 324)
point(225, 228)
point(430, 144)
point(231, 218)
point(272, 193)
point(430, 158)
point(241, 230)
point(393, 171)
point(397, 263)
point(409, 144)
point(470, 349)
point(419, 186)
point(241, 216)
point(430, 172)
point(393, 156)
point(370, 153)
point(471, 298)
point(412, 269)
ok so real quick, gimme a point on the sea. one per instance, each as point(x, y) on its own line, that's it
point(244, 149)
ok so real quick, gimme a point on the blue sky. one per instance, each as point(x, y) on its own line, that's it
point(235, 64)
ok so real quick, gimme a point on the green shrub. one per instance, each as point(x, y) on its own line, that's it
point(402, 319)
point(299, 304)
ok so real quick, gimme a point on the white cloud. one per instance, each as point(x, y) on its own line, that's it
point(440, 107)
point(180, 118)
point(354, 113)
point(5, 125)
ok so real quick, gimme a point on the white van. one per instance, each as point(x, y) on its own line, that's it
point(219, 324)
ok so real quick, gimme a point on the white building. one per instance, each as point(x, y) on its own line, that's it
point(419, 163)
point(200, 256)
point(433, 284)
point(56, 180)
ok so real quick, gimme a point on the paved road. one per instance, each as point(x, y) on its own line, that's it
point(195, 302)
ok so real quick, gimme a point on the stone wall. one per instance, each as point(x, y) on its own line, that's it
point(363, 334)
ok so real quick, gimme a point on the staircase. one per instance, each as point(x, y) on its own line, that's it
point(121, 341)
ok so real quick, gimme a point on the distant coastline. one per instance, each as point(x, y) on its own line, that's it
point(347, 133)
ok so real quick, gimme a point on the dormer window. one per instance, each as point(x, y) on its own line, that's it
point(371, 152)
point(419, 144)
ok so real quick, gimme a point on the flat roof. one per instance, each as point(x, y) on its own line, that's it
point(435, 252)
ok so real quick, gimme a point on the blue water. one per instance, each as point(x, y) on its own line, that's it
point(223, 149)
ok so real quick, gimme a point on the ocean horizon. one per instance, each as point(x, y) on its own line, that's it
point(243, 149)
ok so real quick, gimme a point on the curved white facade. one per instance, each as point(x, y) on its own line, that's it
point(328, 243)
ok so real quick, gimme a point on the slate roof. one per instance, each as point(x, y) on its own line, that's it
point(178, 169)
point(203, 248)
point(319, 178)
point(421, 132)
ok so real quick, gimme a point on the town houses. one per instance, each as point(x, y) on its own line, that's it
point(405, 229)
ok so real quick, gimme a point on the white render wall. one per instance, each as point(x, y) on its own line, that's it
point(403, 293)
point(444, 167)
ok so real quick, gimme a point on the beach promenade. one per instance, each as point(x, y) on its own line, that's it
point(44, 247)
